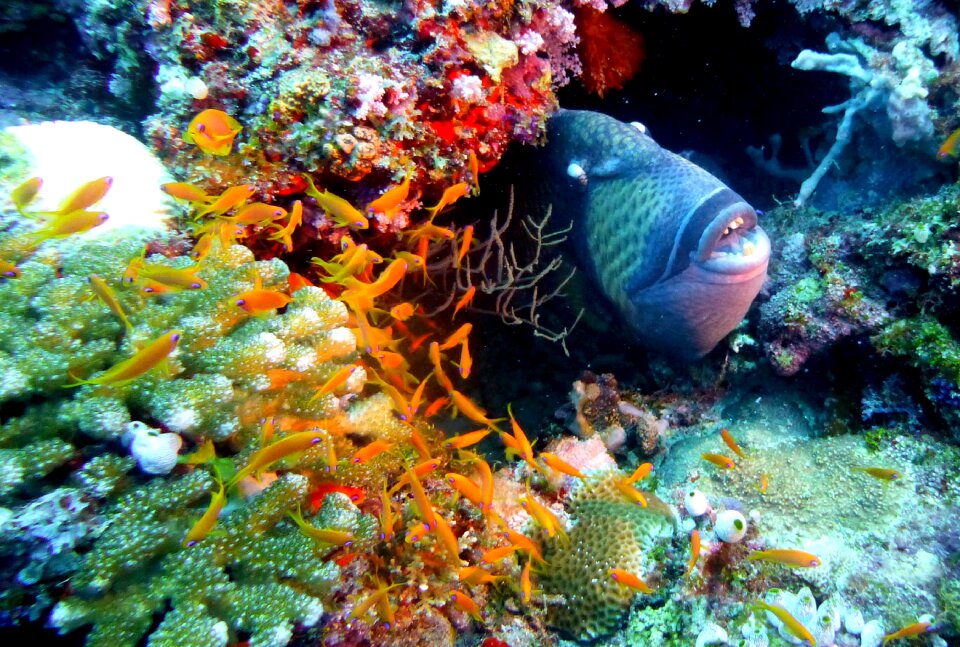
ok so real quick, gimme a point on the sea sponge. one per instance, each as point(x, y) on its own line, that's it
point(610, 532)
point(730, 527)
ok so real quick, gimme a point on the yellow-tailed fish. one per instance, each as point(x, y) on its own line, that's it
point(209, 519)
point(881, 473)
point(950, 146)
point(787, 557)
point(202, 454)
point(337, 209)
point(130, 369)
point(184, 278)
point(322, 535)
point(463, 602)
point(86, 196)
point(292, 444)
point(26, 193)
point(793, 626)
point(285, 233)
point(75, 222)
point(915, 629)
point(108, 298)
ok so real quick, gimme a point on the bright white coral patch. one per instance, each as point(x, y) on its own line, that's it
point(66, 154)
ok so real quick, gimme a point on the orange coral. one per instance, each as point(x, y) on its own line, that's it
point(611, 51)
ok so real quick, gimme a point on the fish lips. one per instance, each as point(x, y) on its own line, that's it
point(733, 247)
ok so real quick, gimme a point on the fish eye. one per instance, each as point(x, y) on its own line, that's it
point(191, 543)
point(348, 543)
point(201, 128)
point(240, 302)
point(195, 286)
point(148, 290)
point(175, 337)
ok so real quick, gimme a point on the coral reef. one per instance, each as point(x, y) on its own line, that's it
point(610, 532)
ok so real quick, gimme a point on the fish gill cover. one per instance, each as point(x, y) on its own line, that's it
point(316, 357)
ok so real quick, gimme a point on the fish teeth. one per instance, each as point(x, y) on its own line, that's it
point(748, 248)
point(726, 231)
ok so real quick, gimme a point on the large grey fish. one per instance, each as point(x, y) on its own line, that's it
point(675, 250)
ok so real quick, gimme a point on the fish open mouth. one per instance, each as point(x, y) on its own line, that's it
point(734, 243)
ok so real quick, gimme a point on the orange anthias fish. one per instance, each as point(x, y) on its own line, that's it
point(470, 490)
point(467, 439)
point(465, 300)
point(458, 337)
point(130, 369)
point(464, 244)
point(787, 557)
point(213, 132)
point(627, 578)
point(186, 192)
point(950, 146)
point(719, 460)
point(259, 302)
point(389, 202)
point(556, 463)
point(464, 603)
point(467, 407)
point(8, 270)
point(370, 450)
point(880, 473)
point(914, 629)
point(229, 199)
point(631, 493)
point(694, 550)
point(731, 443)
point(640, 473)
point(86, 196)
point(450, 195)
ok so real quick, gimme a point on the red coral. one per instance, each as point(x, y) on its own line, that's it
point(611, 51)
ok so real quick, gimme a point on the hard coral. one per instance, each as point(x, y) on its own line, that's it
point(609, 533)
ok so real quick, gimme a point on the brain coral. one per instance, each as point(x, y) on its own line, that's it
point(610, 533)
